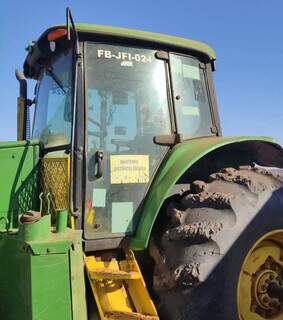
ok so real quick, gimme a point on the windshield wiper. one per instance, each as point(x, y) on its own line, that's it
point(59, 83)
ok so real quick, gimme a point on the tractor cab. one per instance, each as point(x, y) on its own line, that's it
point(126, 155)
point(116, 104)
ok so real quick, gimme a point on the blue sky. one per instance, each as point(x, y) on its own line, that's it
point(246, 35)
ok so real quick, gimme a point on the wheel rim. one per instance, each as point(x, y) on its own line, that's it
point(262, 266)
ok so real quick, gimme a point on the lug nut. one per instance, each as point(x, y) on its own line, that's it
point(265, 299)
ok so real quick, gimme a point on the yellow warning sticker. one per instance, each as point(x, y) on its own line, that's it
point(129, 169)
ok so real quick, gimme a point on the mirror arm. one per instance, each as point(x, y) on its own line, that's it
point(69, 23)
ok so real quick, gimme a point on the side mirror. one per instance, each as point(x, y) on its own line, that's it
point(23, 112)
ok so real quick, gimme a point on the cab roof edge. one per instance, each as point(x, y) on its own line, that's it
point(132, 34)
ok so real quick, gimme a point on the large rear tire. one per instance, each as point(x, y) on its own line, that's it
point(203, 237)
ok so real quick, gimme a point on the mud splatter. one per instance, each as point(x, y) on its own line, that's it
point(207, 199)
point(183, 275)
point(198, 232)
point(255, 179)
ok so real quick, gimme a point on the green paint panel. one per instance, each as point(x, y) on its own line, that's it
point(77, 280)
point(50, 287)
point(180, 159)
point(14, 293)
point(46, 285)
point(18, 179)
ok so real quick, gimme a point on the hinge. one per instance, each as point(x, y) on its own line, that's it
point(162, 55)
point(214, 130)
point(202, 65)
point(79, 55)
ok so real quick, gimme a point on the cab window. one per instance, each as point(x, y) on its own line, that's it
point(53, 115)
point(192, 107)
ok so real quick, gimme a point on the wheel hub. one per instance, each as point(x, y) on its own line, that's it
point(262, 302)
point(262, 270)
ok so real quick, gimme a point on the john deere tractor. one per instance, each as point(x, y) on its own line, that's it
point(125, 201)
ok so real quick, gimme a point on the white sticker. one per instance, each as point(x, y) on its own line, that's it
point(98, 198)
point(190, 111)
point(127, 63)
point(191, 72)
point(129, 168)
point(124, 56)
point(177, 65)
point(122, 217)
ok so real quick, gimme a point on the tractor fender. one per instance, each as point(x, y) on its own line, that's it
point(179, 159)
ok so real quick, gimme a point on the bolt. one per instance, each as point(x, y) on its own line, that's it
point(263, 287)
point(265, 299)
point(271, 277)
point(178, 97)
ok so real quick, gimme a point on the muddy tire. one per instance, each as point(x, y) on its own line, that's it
point(202, 237)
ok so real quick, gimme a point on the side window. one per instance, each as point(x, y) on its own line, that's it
point(53, 115)
point(192, 106)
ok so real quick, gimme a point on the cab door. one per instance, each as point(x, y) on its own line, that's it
point(127, 105)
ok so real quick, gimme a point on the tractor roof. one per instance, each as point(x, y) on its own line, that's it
point(145, 36)
point(149, 38)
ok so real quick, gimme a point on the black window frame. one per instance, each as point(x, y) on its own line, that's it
point(207, 71)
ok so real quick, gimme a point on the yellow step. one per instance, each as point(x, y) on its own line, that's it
point(119, 315)
point(116, 295)
point(108, 274)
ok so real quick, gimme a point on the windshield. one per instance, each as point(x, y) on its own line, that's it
point(127, 106)
point(191, 100)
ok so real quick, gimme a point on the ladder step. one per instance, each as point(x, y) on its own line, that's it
point(119, 297)
point(119, 315)
point(108, 274)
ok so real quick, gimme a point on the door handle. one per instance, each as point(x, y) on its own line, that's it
point(99, 164)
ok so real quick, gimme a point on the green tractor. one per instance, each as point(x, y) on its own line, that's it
point(126, 202)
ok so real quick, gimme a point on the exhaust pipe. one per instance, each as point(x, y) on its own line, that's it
point(23, 112)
